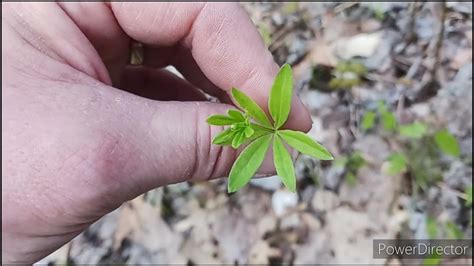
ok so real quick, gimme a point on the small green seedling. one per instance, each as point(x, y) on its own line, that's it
point(347, 75)
point(253, 127)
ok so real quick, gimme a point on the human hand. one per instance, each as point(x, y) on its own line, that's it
point(78, 140)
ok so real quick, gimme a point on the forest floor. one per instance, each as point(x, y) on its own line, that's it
point(389, 86)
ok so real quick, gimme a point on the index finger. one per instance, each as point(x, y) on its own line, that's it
point(223, 40)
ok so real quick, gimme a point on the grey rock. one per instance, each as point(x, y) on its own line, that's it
point(283, 201)
point(450, 204)
point(297, 49)
point(290, 221)
point(95, 243)
point(458, 94)
point(372, 146)
point(433, 193)
point(277, 19)
point(325, 200)
point(316, 100)
point(271, 183)
point(466, 145)
point(458, 175)
point(426, 25)
point(417, 224)
point(463, 7)
point(332, 178)
point(380, 59)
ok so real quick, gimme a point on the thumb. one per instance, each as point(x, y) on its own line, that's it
point(163, 143)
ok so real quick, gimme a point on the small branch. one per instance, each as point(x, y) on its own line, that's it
point(344, 6)
point(411, 27)
point(439, 41)
point(457, 193)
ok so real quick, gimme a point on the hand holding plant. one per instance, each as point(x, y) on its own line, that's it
point(251, 126)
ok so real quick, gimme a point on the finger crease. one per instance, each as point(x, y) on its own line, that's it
point(217, 158)
point(196, 146)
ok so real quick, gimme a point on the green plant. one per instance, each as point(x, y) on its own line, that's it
point(389, 121)
point(290, 8)
point(379, 13)
point(453, 231)
point(368, 120)
point(432, 227)
point(447, 143)
point(468, 192)
point(387, 118)
point(351, 164)
point(414, 130)
point(259, 133)
point(397, 163)
point(435, 229)
point(346, 75)
point(419, 147)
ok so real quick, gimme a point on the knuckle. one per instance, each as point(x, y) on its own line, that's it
point(212, 161)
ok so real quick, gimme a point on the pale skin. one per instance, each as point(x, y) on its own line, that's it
point(82, 132)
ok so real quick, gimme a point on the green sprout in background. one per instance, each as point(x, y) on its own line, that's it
point(351, 164)
point(420, 148)
point(253, 127)
point(347, 75)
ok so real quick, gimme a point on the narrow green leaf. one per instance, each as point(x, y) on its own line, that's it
point(238, 139)
point(447, 143)
point(431, 227)
point(279, 102)
point(389, 121)
point(453, 231)
point(355, 162)
point(221, 120)
point(433, 259)
point(305, 144)
point(396, 163)
point(248, 162)
point(468, 191)
point(237, 115)
point(224, 138)
point(258, 128)
point(284, 164)
point(414, 130)
point(252, 108)
point(258, 132)
point(368, 120)
point(351, 179)
point(249, 131)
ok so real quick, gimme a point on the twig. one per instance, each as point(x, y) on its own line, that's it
point(380, 78)
point(459, 194)
point(439, 41)
point(68, 254)
point(414, 68)
point(411, 27)
point(344, 6)
point(279, 37)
